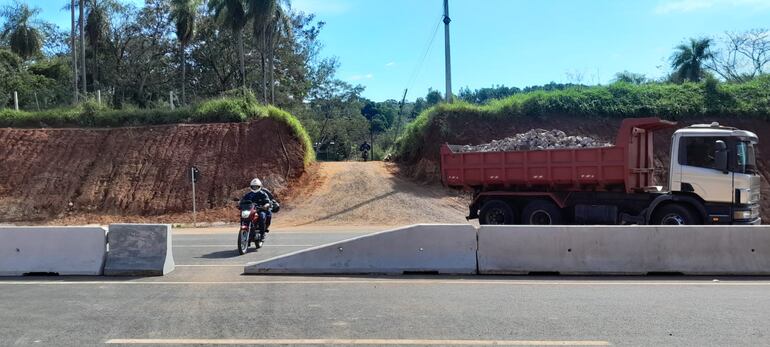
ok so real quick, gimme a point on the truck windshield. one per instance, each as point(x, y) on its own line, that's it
point(746, 156)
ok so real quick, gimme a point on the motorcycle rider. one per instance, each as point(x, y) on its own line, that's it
point(263, 198)
point(365, 148)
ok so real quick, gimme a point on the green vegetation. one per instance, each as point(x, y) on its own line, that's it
point(90, 114)
point(618, 100)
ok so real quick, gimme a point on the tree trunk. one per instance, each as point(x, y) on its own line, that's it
point(264, 77)
point(272, 71)
point(95, 62)
point(83, 47)
point(242, 57)
point(74, 51)
point(184, 72)
point(272, 79)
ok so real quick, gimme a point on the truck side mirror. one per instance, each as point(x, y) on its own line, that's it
point(720, 156)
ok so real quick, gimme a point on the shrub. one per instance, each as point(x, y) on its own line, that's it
point(91, 114)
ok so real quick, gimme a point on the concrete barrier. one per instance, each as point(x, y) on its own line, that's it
point(61, 250)
point(694, 250)
point(444, 249)
point(139, 250)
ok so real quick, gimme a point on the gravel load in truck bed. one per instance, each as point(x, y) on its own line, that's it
point(536, 139)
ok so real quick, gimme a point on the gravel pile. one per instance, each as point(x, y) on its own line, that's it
point(536, 139)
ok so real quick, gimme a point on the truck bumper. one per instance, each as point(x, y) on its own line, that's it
point(757, 221)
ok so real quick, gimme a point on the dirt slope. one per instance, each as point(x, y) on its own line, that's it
point(359, 193)
point(475, 131)
point(48, 174)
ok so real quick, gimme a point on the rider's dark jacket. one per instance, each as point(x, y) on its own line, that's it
point(260, 197)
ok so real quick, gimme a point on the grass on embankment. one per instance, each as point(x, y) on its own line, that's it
point(89, 114)
point(618, 100)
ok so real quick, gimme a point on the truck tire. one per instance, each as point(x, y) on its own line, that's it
point(675, 214)
point(496, 212)
point(541, 212)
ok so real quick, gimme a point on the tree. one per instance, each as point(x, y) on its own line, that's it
point(744, 56)
point(261, 12)
point(21, 30)
point(232, 15)
point(688, 59)
point(434, 97)
point(630, 77)
point(73, 51)
point(183, 12)
point(96, 29)
point(81, 25)
point(280, 23)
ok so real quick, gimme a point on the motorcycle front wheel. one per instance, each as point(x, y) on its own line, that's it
point(243, 241)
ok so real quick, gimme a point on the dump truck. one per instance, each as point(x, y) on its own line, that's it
point(712, 179)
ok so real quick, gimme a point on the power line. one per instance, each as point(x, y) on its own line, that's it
point(426, 51)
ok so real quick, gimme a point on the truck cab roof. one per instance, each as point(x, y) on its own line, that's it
point(715, 129)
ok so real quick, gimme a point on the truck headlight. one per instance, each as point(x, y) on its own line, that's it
point(746, 214)
point(742, 214)
point(245, 214)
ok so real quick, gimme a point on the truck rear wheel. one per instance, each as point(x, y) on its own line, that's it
point(675, 214)
point(496, 212)
point(541, 212)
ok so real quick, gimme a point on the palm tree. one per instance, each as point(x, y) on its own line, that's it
point(232, 14)
point(688, 60)
point(96, 28)
point(269, 20)
point(74, 50)
point(280, 23)
point(24, 38)
point(183, 12)
point(81, 24)
point(262, 12)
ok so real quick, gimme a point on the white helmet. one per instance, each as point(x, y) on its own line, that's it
point(255, 185)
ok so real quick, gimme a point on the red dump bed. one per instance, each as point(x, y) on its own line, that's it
point(627, 164)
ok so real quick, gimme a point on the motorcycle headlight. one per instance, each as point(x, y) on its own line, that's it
point(245, 214)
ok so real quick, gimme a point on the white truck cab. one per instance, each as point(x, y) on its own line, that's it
point(717, 165)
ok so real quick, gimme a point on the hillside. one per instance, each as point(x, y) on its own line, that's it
point(140, 171)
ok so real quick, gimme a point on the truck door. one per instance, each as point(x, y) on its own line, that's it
point(698, 169)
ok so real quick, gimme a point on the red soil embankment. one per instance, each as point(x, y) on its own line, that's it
point(140, 171)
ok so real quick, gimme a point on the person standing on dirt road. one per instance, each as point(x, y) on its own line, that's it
point(264, 198)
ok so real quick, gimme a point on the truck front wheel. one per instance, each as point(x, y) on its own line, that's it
point(674, 214)
point(496, 212)
point(541, 212)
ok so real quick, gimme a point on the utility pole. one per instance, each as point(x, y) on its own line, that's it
point(448, 95)
point(398, 120)
point(192, 178)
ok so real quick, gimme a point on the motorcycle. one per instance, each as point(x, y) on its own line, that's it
point(365, 155)
point(249, 232)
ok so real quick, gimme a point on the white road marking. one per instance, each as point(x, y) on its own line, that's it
point(403, 282)
point(209, 265)
point(399, 342)
point(229, 245)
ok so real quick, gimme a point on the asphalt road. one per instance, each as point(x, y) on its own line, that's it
point(207, 300)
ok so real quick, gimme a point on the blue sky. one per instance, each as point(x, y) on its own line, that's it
point(380, 43)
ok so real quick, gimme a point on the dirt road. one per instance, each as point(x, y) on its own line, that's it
point(368, 193)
